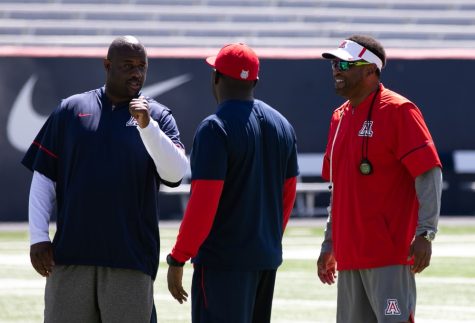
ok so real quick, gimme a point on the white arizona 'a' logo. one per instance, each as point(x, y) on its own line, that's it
point(244, 74)
point(392, 308)
point(366, 129)
point(132, 122)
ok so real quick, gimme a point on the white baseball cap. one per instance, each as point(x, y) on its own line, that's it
point(351, 51)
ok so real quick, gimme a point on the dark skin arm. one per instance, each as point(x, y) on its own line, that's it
point(326, 268)
point(421, 250)
point(41, 256)
point(175, 285)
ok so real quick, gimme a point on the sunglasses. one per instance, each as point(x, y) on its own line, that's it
point(345, 65)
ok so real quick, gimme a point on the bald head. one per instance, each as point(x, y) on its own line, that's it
point(125, 44)
point(126, 69)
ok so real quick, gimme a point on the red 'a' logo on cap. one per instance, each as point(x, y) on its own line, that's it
point(342, 45)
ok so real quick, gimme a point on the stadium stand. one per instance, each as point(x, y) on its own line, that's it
point(264, 23)
point(292, 25)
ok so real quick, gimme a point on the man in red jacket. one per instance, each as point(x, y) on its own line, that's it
point(386, 188)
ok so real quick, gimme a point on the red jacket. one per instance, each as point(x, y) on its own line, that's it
point(374, 217)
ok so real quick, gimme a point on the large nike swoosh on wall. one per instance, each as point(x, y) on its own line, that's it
point(156, 89)
point(24, 122)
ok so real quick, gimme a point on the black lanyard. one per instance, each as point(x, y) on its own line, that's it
point(365, 165)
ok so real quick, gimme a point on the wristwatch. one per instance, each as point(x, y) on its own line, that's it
point(429, 235)
point(173, 262)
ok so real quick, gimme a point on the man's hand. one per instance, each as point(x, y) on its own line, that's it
point(174, 278)
point(138, 108)
point(421, 250)
point(41, 256)
point(326, 267)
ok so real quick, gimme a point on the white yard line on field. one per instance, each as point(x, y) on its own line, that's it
point(12, 286)
point(446, 249)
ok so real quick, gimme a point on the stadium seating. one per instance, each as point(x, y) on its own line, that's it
point(264, 23)
point(287, 24)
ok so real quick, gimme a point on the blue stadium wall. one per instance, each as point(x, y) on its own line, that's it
point(301, 89)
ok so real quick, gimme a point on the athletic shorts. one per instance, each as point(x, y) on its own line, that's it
point(219, 296)
point(379, 295)
point(79, 294)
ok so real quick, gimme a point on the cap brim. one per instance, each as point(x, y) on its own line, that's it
point(211, 60)
point(338, 53)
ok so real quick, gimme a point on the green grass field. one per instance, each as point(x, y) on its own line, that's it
point(446, 290)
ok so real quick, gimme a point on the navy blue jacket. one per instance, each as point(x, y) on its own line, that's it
point(106, 182)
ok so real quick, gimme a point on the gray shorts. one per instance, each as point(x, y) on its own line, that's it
point(78, 294)
point(382, 295)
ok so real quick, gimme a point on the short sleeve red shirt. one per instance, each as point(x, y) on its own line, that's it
point(374, 216)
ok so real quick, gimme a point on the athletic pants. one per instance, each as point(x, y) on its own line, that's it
point(79, 294)
point(228, 296)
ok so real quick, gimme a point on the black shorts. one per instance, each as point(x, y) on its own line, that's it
point(232, 296)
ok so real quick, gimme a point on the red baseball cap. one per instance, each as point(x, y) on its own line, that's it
point(236, 60)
